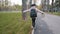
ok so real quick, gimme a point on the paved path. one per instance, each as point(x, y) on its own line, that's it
point(50, 24)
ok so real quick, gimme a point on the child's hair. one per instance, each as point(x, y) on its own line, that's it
point(33, 5)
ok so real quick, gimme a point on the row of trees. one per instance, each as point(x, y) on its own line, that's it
point(5, 5)
point(55, 5)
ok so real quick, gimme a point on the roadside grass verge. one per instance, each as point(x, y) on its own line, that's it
point(12, 23)
point(55, 13)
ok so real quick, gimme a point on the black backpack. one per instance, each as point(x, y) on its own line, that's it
point(33, 13)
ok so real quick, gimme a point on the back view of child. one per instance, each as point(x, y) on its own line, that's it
point(33, 13)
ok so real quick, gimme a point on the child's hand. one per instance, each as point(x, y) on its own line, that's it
point(43, 15)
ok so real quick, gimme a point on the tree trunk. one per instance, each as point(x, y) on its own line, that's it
point(34, 1)
point(30, 2)
point(24, 7)
point(47, 5)
point(52, 4)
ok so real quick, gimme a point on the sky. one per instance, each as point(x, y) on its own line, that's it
point(20, 2)
point(16, 2)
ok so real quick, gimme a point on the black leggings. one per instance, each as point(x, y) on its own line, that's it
point(33, 21)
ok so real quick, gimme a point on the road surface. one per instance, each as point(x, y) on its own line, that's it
point(50, 24)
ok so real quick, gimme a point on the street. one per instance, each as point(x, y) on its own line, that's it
point(50, 24)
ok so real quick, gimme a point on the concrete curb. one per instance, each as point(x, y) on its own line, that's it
point(32, 31)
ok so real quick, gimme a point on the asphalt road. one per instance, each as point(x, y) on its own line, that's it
point(50, 24)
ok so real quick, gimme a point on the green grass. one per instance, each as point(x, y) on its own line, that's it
point(55, 13)
point(12, 23)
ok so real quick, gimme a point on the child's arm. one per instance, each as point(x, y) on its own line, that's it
point(26, 10)
point(39, 11)
point(42, 13)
